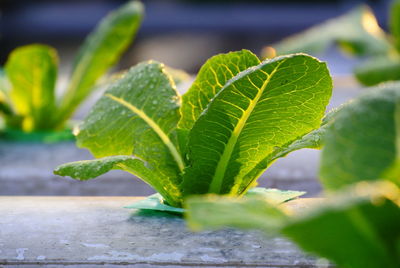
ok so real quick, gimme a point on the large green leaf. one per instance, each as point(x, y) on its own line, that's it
point(32, 72)
point(355, 229)
point(89, 169)
point(101, 50)
point(256, 210)
point(362, 142)
point(357, 32)
point(378, 69)
point(257, 112)
point(138, 116)
point(394, 22)
point(212, 76)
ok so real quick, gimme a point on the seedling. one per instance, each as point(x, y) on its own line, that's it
point(27, 91)
point(239, 116)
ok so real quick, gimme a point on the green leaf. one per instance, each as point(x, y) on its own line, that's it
point(154, 202)
point(355, 229)
point(357, 32)
point(212, 76)
point(32, 72)
point(261, 109)
point(362, 142)
point(215, 212)
point(378, 69)
point(138, 116)
point(90, 169)
point(101, 50)
point(394, 22)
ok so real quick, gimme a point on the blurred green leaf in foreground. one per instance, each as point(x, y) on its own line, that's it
point(357, 33)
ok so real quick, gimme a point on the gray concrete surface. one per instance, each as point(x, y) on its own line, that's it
point(98, 232)
point(26, 168)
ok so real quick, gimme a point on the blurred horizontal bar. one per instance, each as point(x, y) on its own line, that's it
point(75, 19)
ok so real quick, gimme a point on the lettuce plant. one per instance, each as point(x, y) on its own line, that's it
point(357, 226)
point(27, 87)
point(238, 116)
point(358, 34)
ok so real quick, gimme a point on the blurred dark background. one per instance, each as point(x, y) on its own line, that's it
point(183, 34)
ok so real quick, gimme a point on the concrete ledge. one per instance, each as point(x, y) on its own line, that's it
point(27, 169)
point(97, 231)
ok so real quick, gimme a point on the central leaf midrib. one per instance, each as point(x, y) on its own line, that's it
point(216, 182)
point(163, 136)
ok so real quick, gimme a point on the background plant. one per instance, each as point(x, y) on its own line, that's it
point(357, 33)
point(357, 225)
point(239, 115)
point(28, 101)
